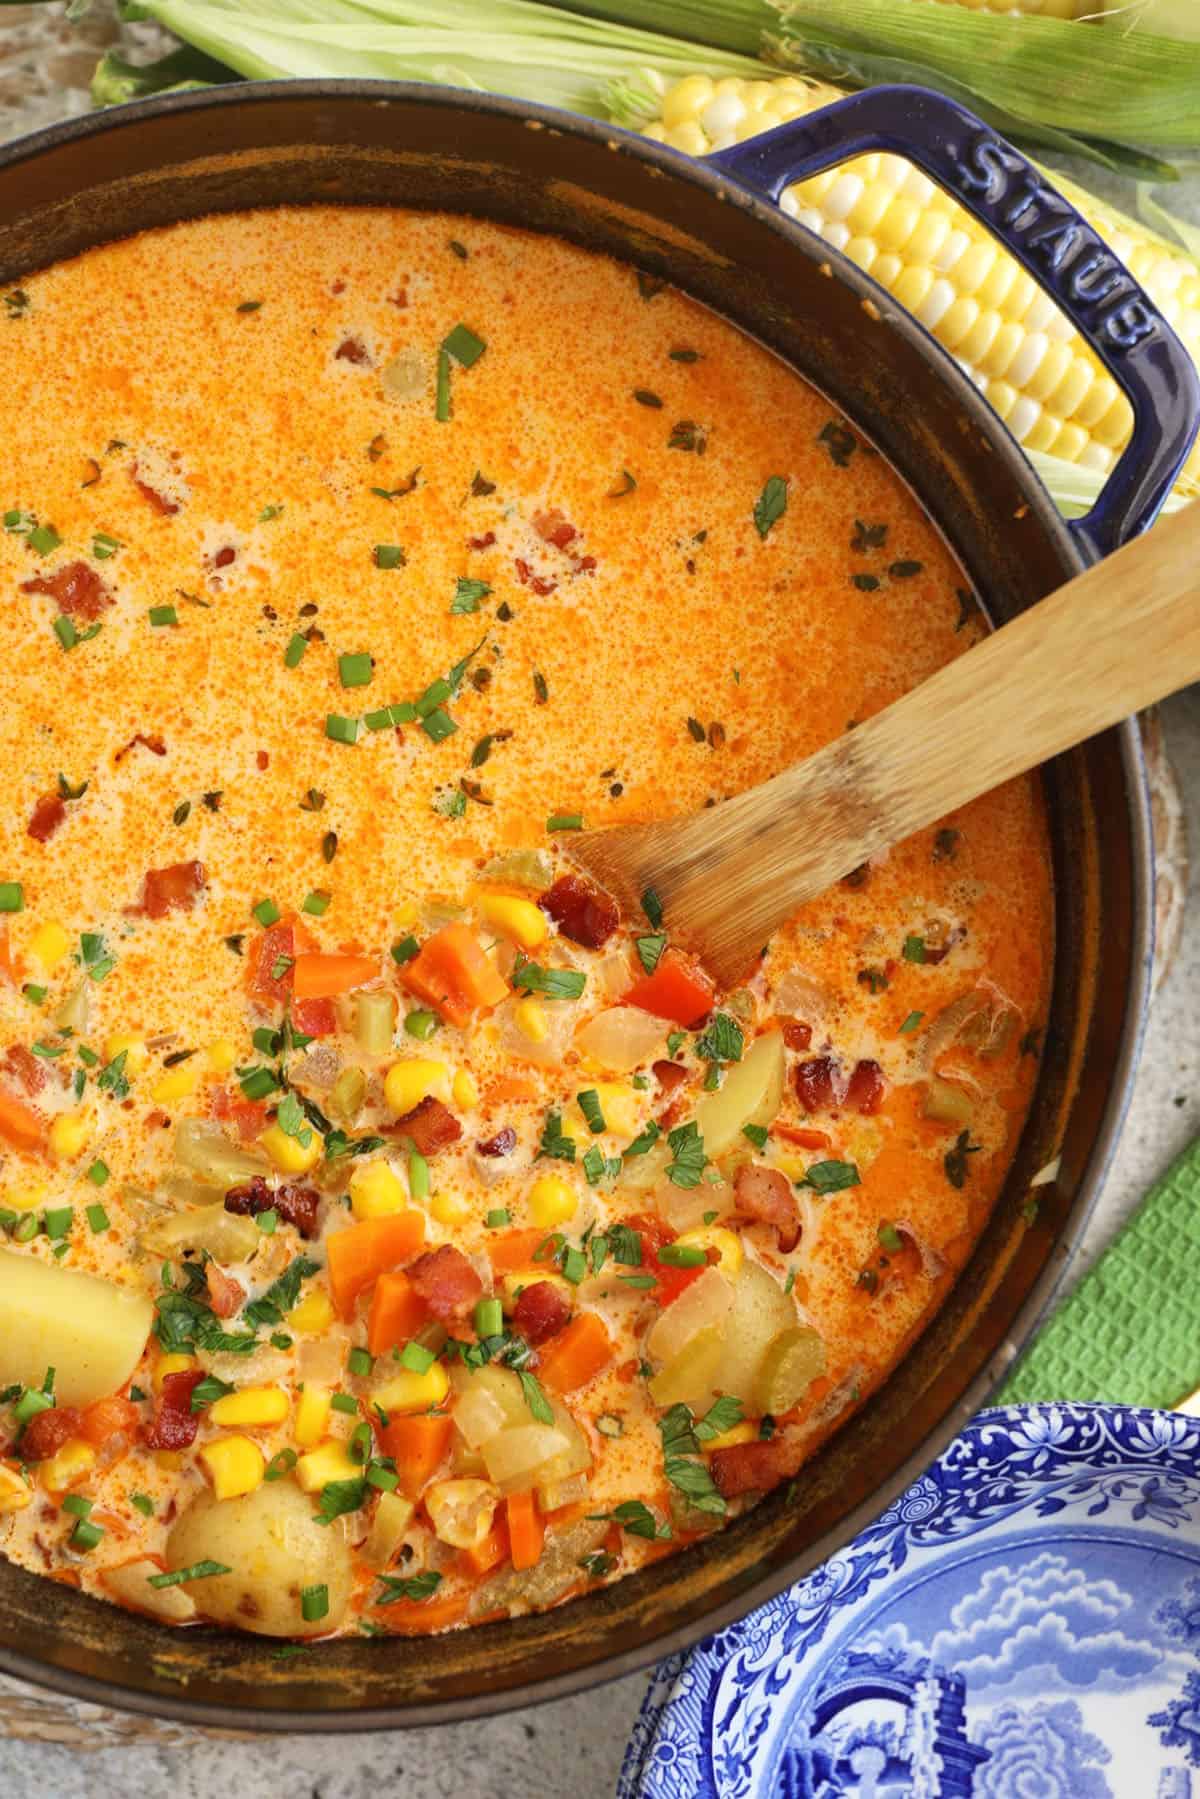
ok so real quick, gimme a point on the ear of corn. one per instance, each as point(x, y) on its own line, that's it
point(927, 251)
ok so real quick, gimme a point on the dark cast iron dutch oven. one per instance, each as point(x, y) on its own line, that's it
point(714, 231)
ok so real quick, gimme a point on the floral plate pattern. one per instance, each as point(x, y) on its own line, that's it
point(1024, 1623)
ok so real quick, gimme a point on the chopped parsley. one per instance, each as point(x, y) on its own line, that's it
point(771, 504)
point(830, 1177)
point(722, 1041)
point(554, 983)
point(689, 1160)
point(468, 594)
point(955, 1159)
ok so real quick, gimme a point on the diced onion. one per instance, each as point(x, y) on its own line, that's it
point(706, 1302)
point(202, 1147)
point(621, 1038)
point(518, 1459)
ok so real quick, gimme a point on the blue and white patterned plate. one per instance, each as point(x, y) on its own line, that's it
point(1023, 1624)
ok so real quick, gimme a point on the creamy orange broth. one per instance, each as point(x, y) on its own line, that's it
point(639, 644)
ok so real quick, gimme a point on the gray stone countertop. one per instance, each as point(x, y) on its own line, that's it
point(574, 1744)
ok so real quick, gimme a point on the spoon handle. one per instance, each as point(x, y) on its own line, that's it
point(1116, 638)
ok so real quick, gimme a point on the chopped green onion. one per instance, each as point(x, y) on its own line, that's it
point(344, 1402)
point(98, 1218)
point(441, 410)
point(43, 539)
point(497, 1218)
point(34, 994)
point(589, 1104)
point(12, 896)
point(294, 652)
point(356, 670)
point(163, 615)
point(416, 1357)
point(438, 724)
point(418, 1175)
point(266, 912)
point(682, 1255)
point(281, 1463)
point(890, 1239)
point(914, 949)
point(58, 1221)
point(316, 903)
point(197, 1571)
point(268, 1221)
point(911, 1022)
point(404, 949)
point(143, 1503)
point(421, 1024)
point(341, 729)
point(77, 1505)
point(86, 1535)
point(756, 1134)
point(360, 1362)
point(489, 1318)
point(314, 1603)
point(565, 821)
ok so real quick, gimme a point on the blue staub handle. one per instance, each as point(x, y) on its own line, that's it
point(1051, 241)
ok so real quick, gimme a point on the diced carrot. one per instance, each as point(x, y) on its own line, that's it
point(247, 1116)
point(452, 972)
point(324, 977)
point(20, 1125)
point(417, 1444)
point(510, 1089)
point(679, 989)
point(420, 1617)
point(800, 1135)
point(515, 1249)
point(397, 1313)
point(358, 1255)
point(526, 1532)
point(109, 1418)
point(577, 1354)
point(10, 964)
point(488, 1554)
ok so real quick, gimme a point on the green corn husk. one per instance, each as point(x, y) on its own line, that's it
point(514, 47)
point(1070, 86)
point(1169, 18)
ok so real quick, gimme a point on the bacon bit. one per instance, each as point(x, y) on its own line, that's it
point(796, 1034)
point(339, 287)
point(298, 1206)
point(27, 1068)
point(399, 298)
point(155, 745)
point(502, 1144)
point(314, 1017)
point(937, 952)
point(752, 1467)
point(446, 1282)
point(482, 543)
point(582, 565)
point(175, 1424)
point(431, 1125)
point(174, 889)
point(47, 1431)
point(262, 758)
point(540, 584)
point(766, 1194)
point(277, 944)
point(554, 527)
point(225, 1296)
point(159, 501)
point(817, 1082)
point(866, 1089)
point(669, 1075)
point(48, 814)
point(582, 912)
point(540, 1312)
point(224, 556)
point(76, 589)
point(352, 349)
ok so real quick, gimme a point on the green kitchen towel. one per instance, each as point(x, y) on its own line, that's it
point(1130, 1331)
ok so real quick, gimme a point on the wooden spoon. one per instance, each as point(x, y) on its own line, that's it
point(1116, 638)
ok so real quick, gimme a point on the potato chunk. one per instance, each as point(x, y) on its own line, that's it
point(273, 1547)
point(89, 1331)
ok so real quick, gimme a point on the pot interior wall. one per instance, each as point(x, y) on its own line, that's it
point(356, 143)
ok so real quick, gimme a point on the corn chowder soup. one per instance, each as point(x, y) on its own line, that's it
point(393, 1236)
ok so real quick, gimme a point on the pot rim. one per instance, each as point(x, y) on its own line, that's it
point(677, 166)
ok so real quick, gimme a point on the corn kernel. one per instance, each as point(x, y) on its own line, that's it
point(408, 1083)
point(28, 1199)
point(235, 1466)
point(70, 1134)
point(171, 1364)
point(406, 914)
point(169, 1460)
point(513, 1285)
point(289, 1155)
point(449, 1208)
point(529, 1016)
point(745, 1432)
point(15, 1493)
point(332, 1461)
point(175, 1083)
point(519, 919)
point(464, 1091)
point(408, 1391)
point(313, 1314)
point(621, 1106)
point(75, 1459)
point(375, 1191)
point(222, 1055)
point(250, 1406)
point(312, 1415)
point(134, 1049)
point(551, 1201)
point(48, 945)
point(461, 1511)
point(716, 1236)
